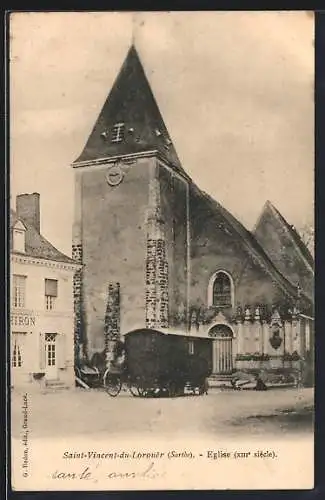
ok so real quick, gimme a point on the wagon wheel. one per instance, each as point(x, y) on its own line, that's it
point(143, 391)
point(201, 389)
point(97, 373)
point(133, 388)
point(192, 388)
point(172, 391)
point(112, 384)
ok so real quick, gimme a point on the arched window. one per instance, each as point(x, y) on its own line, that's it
point(221, 293)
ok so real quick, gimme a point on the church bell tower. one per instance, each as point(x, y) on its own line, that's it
point(127, 228)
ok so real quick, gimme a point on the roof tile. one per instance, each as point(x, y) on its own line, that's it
point(38, 246)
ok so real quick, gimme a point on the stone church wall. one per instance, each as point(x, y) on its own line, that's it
point(114, 247)
point(216, 246)
point(174, 212)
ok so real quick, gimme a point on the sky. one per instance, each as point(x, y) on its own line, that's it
point(235, 89)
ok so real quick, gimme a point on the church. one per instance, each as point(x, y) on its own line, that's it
point(158, 252)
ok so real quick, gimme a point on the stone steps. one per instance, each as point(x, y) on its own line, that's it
point(215, 380)
point(55, 385)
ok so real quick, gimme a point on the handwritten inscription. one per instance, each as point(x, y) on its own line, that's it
point(152, 469)
point(87, 474)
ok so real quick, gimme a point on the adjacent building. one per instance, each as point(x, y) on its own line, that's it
point(158, 252)
point(42, 309)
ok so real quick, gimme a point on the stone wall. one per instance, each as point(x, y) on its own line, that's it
point(216, 245)
point(281, 345)
point(77, 303)
point(112, 329)
point(157, 279)
point(174, 210)
point(162, 285)
point(114, 235)
point(156, 284)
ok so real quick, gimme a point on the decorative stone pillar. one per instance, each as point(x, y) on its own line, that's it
point(240, 333)
point(307, 336)
point(247, 327)
point(77, 256)
point(259, 343)
point(161, 285)
point(302, 337)
point(295, 331)
point(276, 339)
point(151, 299)
point(78, 306)
point(157, 304)
point(235, 350)
point(288, 336)
point(266, 336)
point(112, 320)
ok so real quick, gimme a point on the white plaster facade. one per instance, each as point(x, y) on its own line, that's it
point(42, 342)
point(41, 303)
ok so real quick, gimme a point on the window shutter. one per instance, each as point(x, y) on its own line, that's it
point(12, 347)
point(61, 339)
point(42, 351)
point(51, 287)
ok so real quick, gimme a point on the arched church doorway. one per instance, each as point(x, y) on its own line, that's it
point(221, 349)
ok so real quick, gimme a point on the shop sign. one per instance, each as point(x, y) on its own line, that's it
point(22, 320)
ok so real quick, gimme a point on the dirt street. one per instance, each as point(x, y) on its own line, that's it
point(284, 412)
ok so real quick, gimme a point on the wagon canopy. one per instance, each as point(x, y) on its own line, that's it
point(153, 355)
point(147, 354)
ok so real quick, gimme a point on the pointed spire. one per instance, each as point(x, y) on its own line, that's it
point(130, 121)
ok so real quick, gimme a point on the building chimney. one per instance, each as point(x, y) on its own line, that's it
point(28, 208)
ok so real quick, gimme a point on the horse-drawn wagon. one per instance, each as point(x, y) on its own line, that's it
point(158, 364)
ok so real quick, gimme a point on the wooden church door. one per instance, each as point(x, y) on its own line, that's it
point(221, 349)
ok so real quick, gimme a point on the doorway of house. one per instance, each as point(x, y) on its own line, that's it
point(51, 356)
point(222, 349)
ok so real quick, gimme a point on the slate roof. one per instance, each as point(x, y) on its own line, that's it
point(285, 248)
point(131, 102)
point(36, 245)
point(251, 243)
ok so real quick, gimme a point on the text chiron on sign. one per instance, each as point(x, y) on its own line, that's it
point(22, 320)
